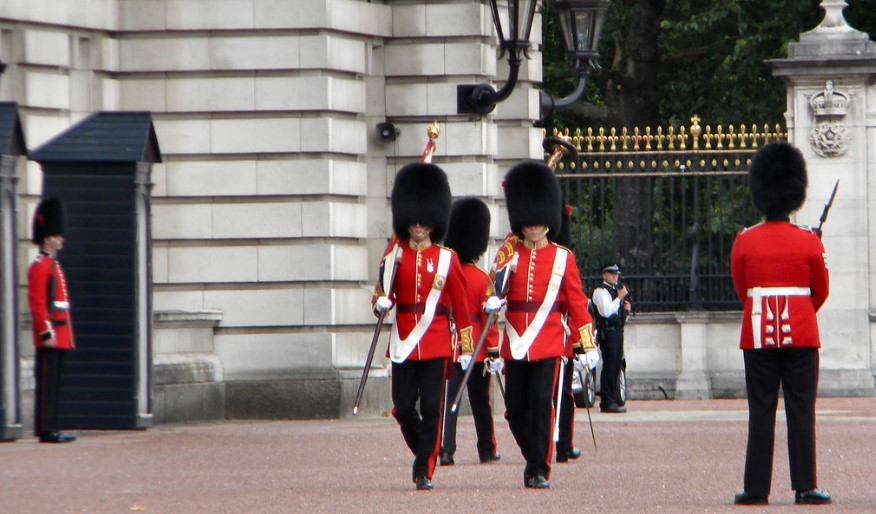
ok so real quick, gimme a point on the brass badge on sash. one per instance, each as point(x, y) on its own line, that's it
point(439, 282)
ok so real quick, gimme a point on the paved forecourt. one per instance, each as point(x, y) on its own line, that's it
point(662, 456)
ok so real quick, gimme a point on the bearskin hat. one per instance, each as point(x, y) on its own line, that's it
point(420, 194)
point(469, 231)
point(778, 179)
point(563, 237)
point(48, 220)
point(532, 196)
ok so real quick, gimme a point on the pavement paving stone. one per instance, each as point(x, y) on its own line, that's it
point(662, 456)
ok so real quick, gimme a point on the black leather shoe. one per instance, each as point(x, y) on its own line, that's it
point(812, 497)
point(446, 459)
point(563, 456)
point(536, 482)
point(486, 459)
point(613, 409)
point(744, 498)
point(423, 484)
point(57, 437)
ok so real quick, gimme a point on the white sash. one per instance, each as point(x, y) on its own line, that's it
point(400, 349)
point(520, 344)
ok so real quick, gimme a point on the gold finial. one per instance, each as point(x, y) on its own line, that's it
point(433, 131)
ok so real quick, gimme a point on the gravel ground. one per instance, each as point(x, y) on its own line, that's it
point(662, 456)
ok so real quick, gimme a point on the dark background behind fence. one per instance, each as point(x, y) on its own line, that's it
point(681, 197)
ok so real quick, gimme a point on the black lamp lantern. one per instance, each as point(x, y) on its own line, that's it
point(482, 98)
point(581, 22)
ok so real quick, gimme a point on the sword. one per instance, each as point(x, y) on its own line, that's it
point(483, 337)
point(387, 282)
point(501, 386)
point(503, 277)
point(589, 419)
point(827, 207)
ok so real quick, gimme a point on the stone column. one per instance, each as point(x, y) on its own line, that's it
point(831, 117)
point(693, 383)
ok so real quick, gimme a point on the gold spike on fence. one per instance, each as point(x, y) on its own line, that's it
point(670, 149)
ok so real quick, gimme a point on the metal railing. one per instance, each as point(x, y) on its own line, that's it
point(665, 206)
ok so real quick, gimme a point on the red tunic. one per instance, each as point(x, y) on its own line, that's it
point(528, 286)
point(414, 277)
point(49, 320)
point(788, 262)
point(478, 289)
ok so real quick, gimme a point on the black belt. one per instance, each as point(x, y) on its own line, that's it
point(59, 323)
point(476, 317)
point(534, 306)
point(420, 309)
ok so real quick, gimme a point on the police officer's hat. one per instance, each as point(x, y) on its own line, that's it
point(778, 179)
point(420, 194)
point(610, 268)
point(469, 231)
point(532, 196)
point(563, 237)
point(48, 220)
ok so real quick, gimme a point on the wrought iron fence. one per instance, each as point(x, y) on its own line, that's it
point(665, 205)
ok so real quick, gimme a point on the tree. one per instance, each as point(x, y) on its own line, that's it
point(665, 60)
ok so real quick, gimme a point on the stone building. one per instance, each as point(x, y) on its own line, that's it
point(270, 204)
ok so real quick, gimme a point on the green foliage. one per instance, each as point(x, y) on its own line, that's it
point(712, 54)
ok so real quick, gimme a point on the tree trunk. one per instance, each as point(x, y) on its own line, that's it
point(637, 104)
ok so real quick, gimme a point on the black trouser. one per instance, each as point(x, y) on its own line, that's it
point(611, 344)
point(529, 409)
point(567, 410)
point(47, 381)
point(423, 381)
point(478, 388)
point(796, 369)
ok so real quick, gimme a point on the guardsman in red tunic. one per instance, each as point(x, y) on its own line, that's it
point(428, 286)
point(468, 235)
point(543, 284)
point(50, 309)
point(780, 274)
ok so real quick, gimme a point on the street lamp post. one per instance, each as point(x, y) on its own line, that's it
point(482, 98)
point(581, 22)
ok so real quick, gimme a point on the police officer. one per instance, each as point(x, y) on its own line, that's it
point(543, 283)
point(429, 284)
point(50, 309)
point(611, 311)
point(468, 235)
point(780, 274)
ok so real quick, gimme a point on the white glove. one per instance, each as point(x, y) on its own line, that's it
point(495, 365)
point(493, 304)
point(382, 304)
point(465, 360)
point(579, 363)
point(591, 358)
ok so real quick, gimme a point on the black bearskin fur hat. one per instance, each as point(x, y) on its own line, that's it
point(778, 179)
point(48, 220)
point(420, 194)
point(532, 196)
point(469, 231)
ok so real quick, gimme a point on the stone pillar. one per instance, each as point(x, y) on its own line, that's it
point(693, 383)
point(831, 117)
